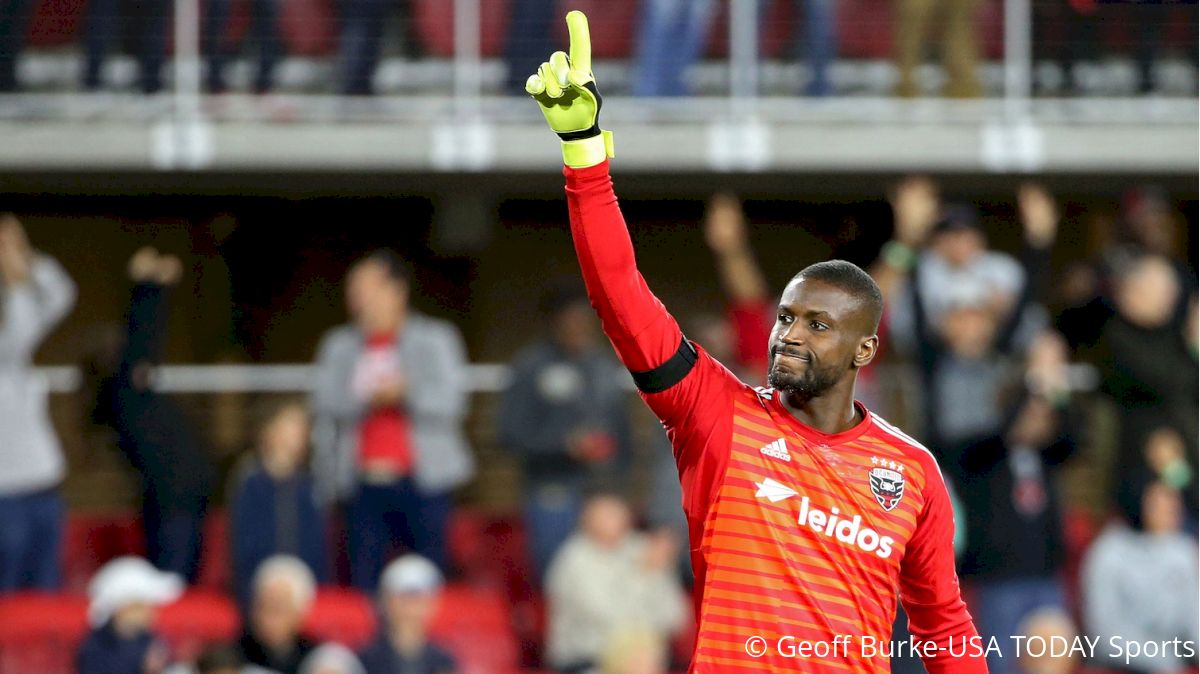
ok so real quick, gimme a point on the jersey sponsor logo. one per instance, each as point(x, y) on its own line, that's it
point(776, 450)
point(773, 491)
point(888, 487)
point(848, 530)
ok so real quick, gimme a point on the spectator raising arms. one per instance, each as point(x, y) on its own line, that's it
point(152, 429)
point(35, 294)
point(388, 402)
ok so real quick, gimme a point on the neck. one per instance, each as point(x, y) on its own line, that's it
point(407, 638)
point(833, 412)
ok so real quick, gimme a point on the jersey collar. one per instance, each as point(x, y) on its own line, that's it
point(815, 436)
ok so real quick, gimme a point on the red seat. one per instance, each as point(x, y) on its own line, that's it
point(92, 540)
point(307, 27)
point(342, 615)
point(198, 619)
point(779, 28)
point(56, 23)
point(41, 632)
point(473, 624)
point(435, 25)
point(216, 566)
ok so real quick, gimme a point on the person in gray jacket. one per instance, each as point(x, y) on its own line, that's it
point(388, 403)
point(35, 294)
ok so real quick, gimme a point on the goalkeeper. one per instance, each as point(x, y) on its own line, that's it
point(807, 513)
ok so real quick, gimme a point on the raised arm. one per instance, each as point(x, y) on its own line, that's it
point(35, 294)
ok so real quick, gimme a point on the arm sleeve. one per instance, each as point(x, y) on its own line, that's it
point(331, 395)
point(696, 406)
point(443, 397)
point(929, 586)
point(29, 311)
point(146, 326)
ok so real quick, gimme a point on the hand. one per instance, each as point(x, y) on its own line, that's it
point(1047, 365)
point(915, 203)
point(143, 265)
point(16, 255)
point(725, 225)
point(390, 391)
point(168, 271)
point(591, 446)
point(1039, 214)
point(566, 91)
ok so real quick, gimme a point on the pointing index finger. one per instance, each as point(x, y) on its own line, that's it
point(581, 41)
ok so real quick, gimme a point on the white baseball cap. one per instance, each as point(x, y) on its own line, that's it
point(411, 574)
point(128, 580)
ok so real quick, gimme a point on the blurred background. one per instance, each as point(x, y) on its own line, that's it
point(290, 310)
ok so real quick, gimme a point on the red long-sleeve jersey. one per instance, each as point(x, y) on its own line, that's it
point(800, 539)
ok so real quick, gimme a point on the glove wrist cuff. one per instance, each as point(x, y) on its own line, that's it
point(587, 152)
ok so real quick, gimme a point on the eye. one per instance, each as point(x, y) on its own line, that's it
point(818, 326)
point(785, 319)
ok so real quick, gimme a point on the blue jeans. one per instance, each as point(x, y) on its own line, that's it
point(672, 35)
point(1001, 606)
point(31, 532)
point(14, 23)
point(147, 19)
point(384, 515)
point(551, 514)
point(819, 41)
point(264, 32)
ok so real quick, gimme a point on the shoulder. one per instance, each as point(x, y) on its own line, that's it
point(912, 450)
point(339, 338)
point(435, 327)
point(439, 660)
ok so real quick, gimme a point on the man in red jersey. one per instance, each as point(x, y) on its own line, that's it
point(807, 513)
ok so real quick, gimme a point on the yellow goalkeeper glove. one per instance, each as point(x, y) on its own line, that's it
point(565, 90)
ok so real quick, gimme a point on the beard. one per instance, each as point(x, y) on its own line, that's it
point(813, 382)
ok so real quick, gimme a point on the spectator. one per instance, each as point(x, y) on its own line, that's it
point(671, 36)
point(388, 402)
point(264, 36)
point(153, 431)
point(332, 659)
point(605, 579)
point(530, 38)
point(1158, 392)
point(274, 509)
point(35, 294)
point(749, 307)
point(961, 309)
point(283, 593)
point(1139, 581)
point(14, 23)
point(565, 416)
point(124, 597)
point(1015, 548)
point(959, 44)
point(107, 20)
point(410, 590)
point(1048, 625)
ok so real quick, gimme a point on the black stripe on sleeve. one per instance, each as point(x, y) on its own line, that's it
point(669, 373)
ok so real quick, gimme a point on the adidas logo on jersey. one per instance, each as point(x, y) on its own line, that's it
point(776, 450)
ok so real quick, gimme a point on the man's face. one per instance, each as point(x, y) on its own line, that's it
point(959, 247)
point(372, 295)
point(821, 334)
point(275, 617)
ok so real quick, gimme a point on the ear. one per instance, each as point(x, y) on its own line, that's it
point(867, 349)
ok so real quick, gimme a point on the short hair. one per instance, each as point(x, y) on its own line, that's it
point(396, 268)
point(852, 279)
point(293, 570)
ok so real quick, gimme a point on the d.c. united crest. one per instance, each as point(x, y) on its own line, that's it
point(888, 487)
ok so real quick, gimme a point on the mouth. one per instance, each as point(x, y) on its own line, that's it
point(791, 355)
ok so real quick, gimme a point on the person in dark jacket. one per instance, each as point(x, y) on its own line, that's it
point(409, 591)
point(123, 599)
point(274, 508)
point(1015, 546)
point(153, 431)
point(565, 417)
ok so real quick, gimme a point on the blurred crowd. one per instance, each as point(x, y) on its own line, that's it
point(355, 485)
point(662, 38)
